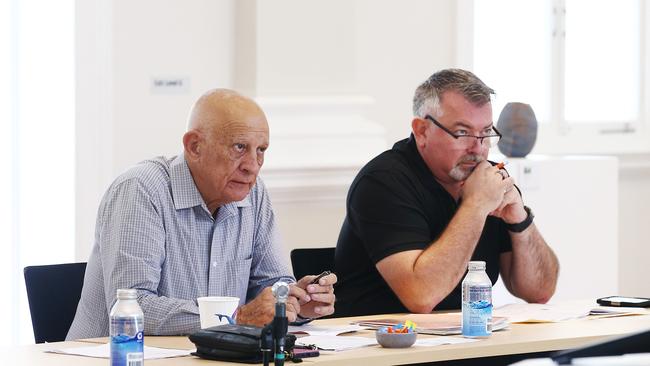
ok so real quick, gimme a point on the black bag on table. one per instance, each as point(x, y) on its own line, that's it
point(234, 343)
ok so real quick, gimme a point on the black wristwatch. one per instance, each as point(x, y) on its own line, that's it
point(517, 228)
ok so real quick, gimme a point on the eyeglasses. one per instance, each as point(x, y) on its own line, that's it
point(490, 140)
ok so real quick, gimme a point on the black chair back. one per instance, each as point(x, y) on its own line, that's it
point(53, 292)
point(311, 261)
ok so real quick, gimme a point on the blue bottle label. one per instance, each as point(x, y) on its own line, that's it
point(477, 313)
point(127, 350)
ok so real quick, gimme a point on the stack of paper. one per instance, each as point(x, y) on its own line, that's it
point(611, 311)
point(437, 324)
point(548, 313)
point(541, 313)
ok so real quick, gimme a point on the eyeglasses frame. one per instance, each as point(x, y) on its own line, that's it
point(479, 138)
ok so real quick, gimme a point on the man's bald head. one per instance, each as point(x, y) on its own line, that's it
point(217, 109)
point(227, 135)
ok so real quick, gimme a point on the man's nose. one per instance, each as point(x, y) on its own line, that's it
point(477, 146)
point(251, 162)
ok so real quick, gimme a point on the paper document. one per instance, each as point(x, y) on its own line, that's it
point(437, 324)
point(541, 313)
point(439, 341)
point(549, 313)
point(334, 343)
point(104, 351)
point(611, 311)
point(331, 330)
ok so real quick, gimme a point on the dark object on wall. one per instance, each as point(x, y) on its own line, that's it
point(53, 292)
point(518, 125)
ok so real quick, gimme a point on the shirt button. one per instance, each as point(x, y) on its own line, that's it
point(214, 264)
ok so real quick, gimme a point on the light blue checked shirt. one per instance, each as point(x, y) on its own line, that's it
point(154, 233)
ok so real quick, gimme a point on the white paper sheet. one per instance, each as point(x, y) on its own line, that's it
point(611, 311)
point(439, 341)
point(541, 313)
point(334, 343)
point(548, 313)
point(104, 351)
point(325, 330)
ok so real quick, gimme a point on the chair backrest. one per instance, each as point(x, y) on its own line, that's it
point(53, 292)
point(307, 261)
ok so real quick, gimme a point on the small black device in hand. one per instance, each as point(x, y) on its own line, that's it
point(301, 320)
point(315, 280)
point(639, 302)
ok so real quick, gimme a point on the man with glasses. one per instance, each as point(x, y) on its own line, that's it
point(418, 213)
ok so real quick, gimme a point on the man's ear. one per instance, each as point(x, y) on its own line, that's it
point(420, 128)
point(192, 144)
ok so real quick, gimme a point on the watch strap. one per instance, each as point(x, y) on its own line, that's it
point(519, 227)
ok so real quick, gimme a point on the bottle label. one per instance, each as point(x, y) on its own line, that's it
point(477, 312)
point(127, 350)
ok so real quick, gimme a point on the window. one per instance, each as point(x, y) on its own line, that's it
point(603, 39)
point(36, 148)
point(578, 63)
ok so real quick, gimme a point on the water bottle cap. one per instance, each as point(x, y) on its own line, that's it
point(476, 266)
point(127, 294)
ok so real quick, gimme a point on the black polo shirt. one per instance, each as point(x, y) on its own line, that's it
point(395, 204)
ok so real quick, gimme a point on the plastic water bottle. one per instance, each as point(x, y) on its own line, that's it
point(477, 301)
point(127, 330)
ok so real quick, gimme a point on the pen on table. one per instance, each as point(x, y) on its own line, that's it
point(315, 280)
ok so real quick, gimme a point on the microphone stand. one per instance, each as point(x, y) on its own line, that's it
point(266, 343)
point(280, 322)
point(280, 326)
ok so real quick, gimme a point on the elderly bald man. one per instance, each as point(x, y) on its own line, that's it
point(197, 224)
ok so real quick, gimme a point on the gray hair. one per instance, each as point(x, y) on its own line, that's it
point(428, 94)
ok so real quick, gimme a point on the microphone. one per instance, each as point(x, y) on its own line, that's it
point(280, 290)
point(280, 323)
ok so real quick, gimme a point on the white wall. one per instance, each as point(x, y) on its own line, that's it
point(565, 215)
point(634, 226)
point(365, 56)
point(168, 39)
point(122, 45)
point(400, 44)
point(376, 52)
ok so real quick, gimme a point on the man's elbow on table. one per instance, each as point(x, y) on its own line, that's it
point(419, 304)
point(537, 294)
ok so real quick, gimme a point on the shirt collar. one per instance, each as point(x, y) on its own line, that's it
point(184, 189)
point(185, 192)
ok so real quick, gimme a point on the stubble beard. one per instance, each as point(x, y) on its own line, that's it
point(459, 173)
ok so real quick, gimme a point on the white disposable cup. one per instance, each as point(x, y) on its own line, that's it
point(209, 306)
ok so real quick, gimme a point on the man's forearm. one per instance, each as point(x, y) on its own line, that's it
point(434, 272)
point(168, 316)
point(449, 254)
point(534, 268)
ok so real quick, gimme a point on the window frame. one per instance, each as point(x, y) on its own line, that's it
point(559, 136)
